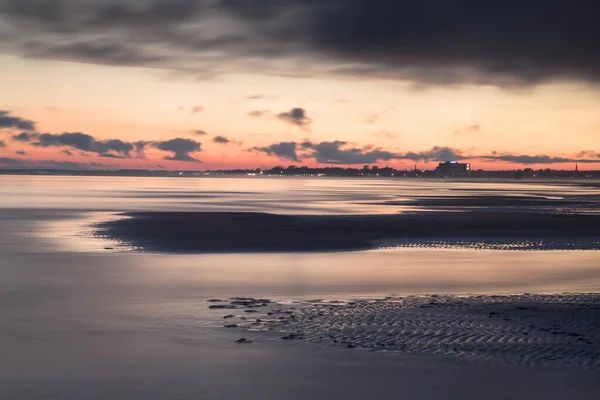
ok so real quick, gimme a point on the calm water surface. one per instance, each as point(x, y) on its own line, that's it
point(50, 216)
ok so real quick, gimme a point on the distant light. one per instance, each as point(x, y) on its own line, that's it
point(452, 162)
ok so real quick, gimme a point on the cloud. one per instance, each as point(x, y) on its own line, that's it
point(20, 152)
point(24, 137)
point(110, 52)
point(2, 143)
point(474, 128)
point(436, 153)
point(181, 149)
point(385, 135)
point(11, 161)
point(11, 122)
point(260, 97)
point(296, 116)
point(372, 118)
point(539, 159)
point(338, 152)
point(114, 148)
point(471, 129)
point(427, 41)
point(285, 150)
point(588, 153)
point(140, 147)
point(199, 132)
point(197, 109)
point(341, 152)
point(258, 113)
point(221, 140)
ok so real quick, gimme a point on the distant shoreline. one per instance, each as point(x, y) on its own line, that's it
point(512, 175)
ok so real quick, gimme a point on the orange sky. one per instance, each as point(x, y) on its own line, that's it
point(131, 104)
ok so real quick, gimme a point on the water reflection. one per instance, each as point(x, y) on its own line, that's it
point(275, 195)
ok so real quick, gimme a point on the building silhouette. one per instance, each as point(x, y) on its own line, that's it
point(452, 168)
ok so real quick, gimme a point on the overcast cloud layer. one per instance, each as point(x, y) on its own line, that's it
point(425, 41)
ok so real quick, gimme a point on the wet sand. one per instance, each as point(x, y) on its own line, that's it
point(245, 232)
point(557, 331)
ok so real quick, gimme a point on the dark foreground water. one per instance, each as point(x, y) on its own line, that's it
point(82, 317)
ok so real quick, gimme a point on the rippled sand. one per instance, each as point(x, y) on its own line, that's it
point(529, 330)
point(505, 244)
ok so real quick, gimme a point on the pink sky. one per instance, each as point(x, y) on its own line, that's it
point(135, 104)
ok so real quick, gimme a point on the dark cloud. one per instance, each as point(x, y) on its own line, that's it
point(24, 137)
point(296, 116)
point(221, 140)
point(436, 153)
point(153, 13)
point(94, 51)
point(338, 152)
point(121, 148)
point(9, 121)
point(11, 161)
point(341, 152)
point(76, 140)
point(2, 143)
point(20, 152)
point(113, 148)
point(140, 147)
point(285, 150)
point(181, 149)
point(426, 41)
point(200, 132)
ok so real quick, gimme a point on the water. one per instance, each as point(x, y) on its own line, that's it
point(80, 321)
point(49, 217)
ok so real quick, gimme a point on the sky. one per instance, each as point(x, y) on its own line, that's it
point(221, 84)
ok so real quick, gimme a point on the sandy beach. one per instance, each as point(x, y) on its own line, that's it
point(435, 318)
